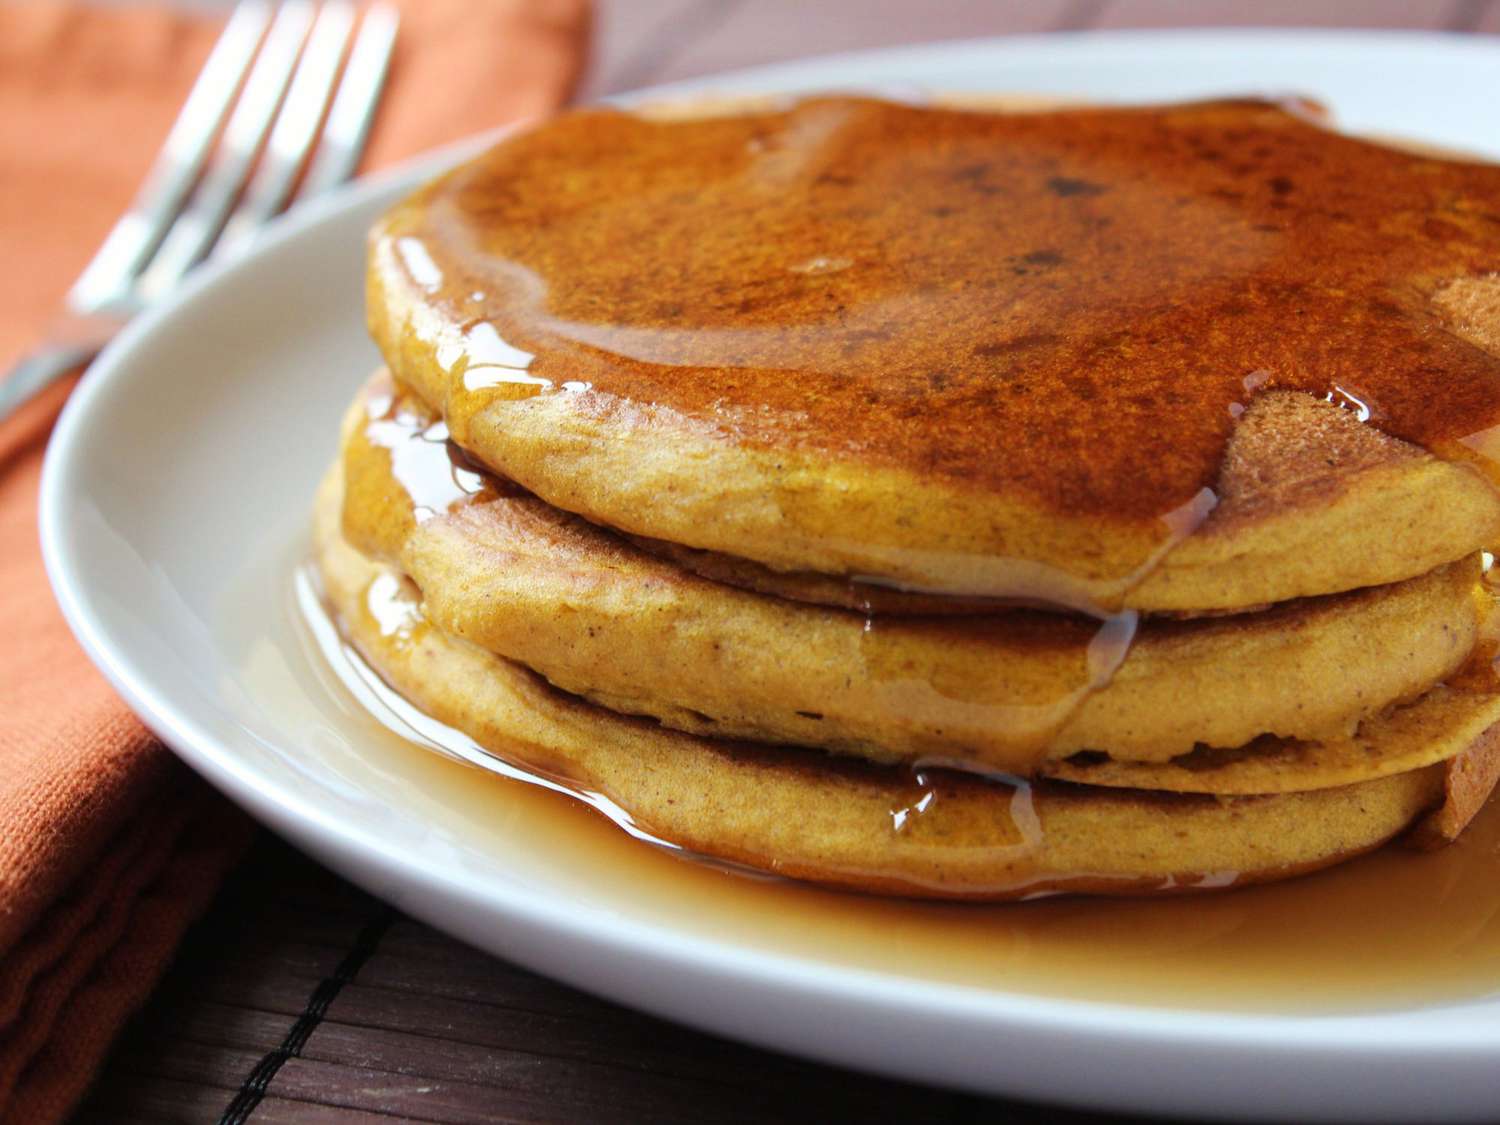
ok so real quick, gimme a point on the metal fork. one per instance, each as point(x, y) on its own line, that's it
point(229, 164)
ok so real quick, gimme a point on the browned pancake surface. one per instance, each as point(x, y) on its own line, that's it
point(974, 352)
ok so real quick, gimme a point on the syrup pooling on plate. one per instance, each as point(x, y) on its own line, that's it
point(928, 796)
point(395, 607)
point(1030, 301)
point(1395, 928)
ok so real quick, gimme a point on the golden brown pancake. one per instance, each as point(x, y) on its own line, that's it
point(1434, 728)
point(599, 618)
point(807, 815)
point(972, 353)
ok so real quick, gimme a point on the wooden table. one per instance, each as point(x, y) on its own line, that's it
point(301, 998)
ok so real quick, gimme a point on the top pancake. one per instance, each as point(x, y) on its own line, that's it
point(972, 352)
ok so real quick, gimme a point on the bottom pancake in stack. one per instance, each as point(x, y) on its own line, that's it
point(995, 756)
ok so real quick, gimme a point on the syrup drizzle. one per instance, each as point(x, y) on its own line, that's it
point(435, 473)
point(928, 289)
point(437, 477)
point(1028, 727)
point(1393, 928)
point(394, 605)
point(919, 817)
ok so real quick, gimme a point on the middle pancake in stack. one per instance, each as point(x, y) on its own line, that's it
point(1322, 698)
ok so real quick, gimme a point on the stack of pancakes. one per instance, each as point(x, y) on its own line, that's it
point(945, 501)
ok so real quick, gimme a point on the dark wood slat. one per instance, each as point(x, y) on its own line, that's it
point(640, 1043)
point(580, 1089)
point(346, 1058)
point(292, 954)
point(214, 1025)
point(270, 992)
point(262, 1008)
point(574, 1087)
point(466, 974)
point(280, 1111)
point(591, 1032)
point(313, 925)
point(424, 1099)
point(563, 1055)
point(548, 1033)
point(170, 1102)
point(123, 1099)
point(223, 1068)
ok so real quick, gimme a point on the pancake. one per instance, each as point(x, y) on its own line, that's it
point(1015, 691)
point(811, 816)
point(1298, 436)
point(1215, 357)
point(1434, 728)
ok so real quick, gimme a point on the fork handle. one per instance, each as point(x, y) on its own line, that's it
point(40, 369)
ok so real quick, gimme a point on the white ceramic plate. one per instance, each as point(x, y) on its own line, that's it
point(174, 505)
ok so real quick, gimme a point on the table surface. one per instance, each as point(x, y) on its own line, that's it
point(301, 998)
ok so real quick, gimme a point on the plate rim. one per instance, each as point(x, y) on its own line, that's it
point(1365, 1037)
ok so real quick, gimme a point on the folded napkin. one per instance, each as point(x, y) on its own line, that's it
point(108, 846)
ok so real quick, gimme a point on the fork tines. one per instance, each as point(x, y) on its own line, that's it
point(258, 118)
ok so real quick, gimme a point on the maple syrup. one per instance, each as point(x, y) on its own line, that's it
point(885, 284)
point(1393, 928)
point(437, 478)
point(1086, 281)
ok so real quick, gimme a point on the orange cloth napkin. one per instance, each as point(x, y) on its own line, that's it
point(108, 846)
